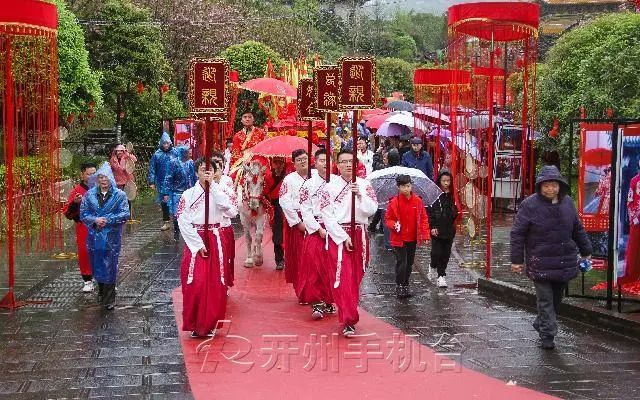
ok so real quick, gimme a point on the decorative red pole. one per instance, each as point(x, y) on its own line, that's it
point(328, 145)
point(487, 271)
point(309, 147)
point(354, 170)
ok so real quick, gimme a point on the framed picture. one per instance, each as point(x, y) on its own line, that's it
point(509, 139)
point(507, 168)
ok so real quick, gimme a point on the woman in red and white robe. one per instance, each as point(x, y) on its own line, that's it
point(202, 270)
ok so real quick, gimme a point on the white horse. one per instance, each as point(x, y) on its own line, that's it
point(252, 212)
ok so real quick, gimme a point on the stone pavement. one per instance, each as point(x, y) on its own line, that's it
point(73, 349)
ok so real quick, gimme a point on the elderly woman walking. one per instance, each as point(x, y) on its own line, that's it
point(546, 238)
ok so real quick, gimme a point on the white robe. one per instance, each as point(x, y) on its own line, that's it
point(335, 206)
point(290, 196)
point(226, 185)
point(310, 201)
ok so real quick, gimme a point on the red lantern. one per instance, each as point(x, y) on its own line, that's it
point(164, 88)
point(610, 111)
point(583, 112)
point(556, 127)
point(70, 118)
point(234, 76)
point(140, 87)
point(92, 104)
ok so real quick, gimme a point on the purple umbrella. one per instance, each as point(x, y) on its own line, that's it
point(390, 129)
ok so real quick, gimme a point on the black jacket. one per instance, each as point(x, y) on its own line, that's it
point(442, 215)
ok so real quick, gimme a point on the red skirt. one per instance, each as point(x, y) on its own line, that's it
point(293, 241)
point(229, 251)
point(83, 254)
point(346, 270)
point(632, 257)
point(205, 298)
point(314, 282)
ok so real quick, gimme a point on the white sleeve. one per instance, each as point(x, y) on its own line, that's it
point(334, 229)
point(286, 203)
point(367, 202)
point(189, 233)
point(306, 208)
point(224, 200)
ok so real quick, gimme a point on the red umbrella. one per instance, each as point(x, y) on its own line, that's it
point(280, 146)
point(597, 157)
point(366, 114)
point(375, 121)
point(271, 86)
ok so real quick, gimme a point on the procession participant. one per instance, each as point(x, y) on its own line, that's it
point(314, 285)
point(226, 229)
point(104, 210)
point(158, 167)
point(272, 181)
point(227, 156)
point(180, 176)
point(245, 138)
point(118, 162)
point(294, 228)
point(344, 270)
point(72, 211)
point(202, 267)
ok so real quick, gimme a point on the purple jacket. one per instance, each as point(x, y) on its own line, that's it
point(549, 235)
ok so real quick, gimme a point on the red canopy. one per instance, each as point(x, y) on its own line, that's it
point(500, 21)
point(441, 77)
point(29, 15)
point(486, 71)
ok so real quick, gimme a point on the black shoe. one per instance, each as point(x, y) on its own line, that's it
point(547, 344)
point(329, 308)
point(317, 311)
point(349, 330)
point(279, 265)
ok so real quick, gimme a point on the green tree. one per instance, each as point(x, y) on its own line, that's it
point(127, 48)
point(395, 74)
point(145, 111)
point(250, 59)
point(595, 66)
point(78, 84)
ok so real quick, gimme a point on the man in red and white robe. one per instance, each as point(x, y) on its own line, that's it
point(294, 228)
point(348, 250)
point(226, 229)
point(202, 270)
point(313, 280)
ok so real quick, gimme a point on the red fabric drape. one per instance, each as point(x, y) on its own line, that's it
point(444, 77)
point(29, 13)
point(500, 21)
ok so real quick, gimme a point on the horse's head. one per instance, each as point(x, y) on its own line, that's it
point(253, 184)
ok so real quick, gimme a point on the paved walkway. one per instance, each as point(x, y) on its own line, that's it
point(73, 349)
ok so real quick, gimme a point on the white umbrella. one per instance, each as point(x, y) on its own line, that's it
point(406, 119)
point(431, 113)
point(384, 184)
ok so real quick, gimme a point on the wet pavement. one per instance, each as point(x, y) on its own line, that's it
point(71, 348)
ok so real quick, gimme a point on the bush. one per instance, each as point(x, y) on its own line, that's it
point(142, 120)
point(250, 59)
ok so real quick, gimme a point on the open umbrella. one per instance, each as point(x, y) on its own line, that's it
point(406, 119)
point(281, 146)
point(399, 105)
point(274, 87)
point(384, 184)
point(366, 114)
point(387, 130)
point(374, 121)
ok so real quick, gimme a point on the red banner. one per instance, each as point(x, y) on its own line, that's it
point(306, 101)
point(357, 82)
point(326, 79)
point(209, 87)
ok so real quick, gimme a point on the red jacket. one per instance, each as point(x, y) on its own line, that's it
point(414, 224)
point(272, 185)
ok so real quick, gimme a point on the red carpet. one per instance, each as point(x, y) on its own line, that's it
point(266, 343)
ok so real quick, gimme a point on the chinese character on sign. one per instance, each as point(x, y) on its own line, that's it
point(330, 80)
point(209, 74)
point(209, 97)
point(356, 93)
point(310, 91)
point(355, 71)
point(329, 100)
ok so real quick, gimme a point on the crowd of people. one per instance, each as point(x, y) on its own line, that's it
point(322, 248)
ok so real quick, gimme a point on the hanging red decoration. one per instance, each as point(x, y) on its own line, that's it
point(164, 88)
point(92, 104)
point(140, 87)
point(497, 52)
point(70, 118)
point(29, 106)
point(583, 112)
point(609, 112)
point(556, 128)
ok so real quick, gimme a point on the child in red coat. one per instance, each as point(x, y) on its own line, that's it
point(408, 224)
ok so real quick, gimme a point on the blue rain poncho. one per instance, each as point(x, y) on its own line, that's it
point(104, 243)
point(159, 165)
point(181, 176)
